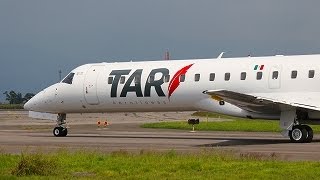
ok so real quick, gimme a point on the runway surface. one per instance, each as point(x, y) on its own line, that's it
point(19, 133)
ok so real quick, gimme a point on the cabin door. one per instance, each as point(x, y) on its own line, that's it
point(275, 77)
point(90, 84)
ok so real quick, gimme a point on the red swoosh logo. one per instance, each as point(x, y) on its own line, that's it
point(175, 81)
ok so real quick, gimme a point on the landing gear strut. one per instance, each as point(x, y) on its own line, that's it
point(61, 130)
point(297, 132)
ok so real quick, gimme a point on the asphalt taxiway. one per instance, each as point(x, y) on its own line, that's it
point(20, 133)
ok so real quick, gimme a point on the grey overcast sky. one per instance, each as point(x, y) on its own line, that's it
point(37, 38)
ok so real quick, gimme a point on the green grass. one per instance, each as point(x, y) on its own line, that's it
point(213, 115)
point(233, 124)
point(153, 165)
point(11, 106)
point(36, 164)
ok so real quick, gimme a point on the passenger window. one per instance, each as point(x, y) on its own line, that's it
point(243, 76)
point(275, 74)
point(110, 80)
point(167, 78)
point(122, 79)
point(151, 79)
point(68, 79)
point(311, 73)
point(196, 77)
point(182, 78)
point(137, 79)
point(212, 76)
point(259, 75)
point(294, 74)
point(227, 76)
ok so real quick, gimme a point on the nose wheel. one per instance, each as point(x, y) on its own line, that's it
point(60, 130)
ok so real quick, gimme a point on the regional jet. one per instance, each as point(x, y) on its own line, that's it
point(272, 87)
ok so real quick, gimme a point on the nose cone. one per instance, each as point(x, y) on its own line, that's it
point(44, 101)
point(32, 103)
point(27, 105)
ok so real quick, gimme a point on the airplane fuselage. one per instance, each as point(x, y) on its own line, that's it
point(278, 87)
point(157, 86)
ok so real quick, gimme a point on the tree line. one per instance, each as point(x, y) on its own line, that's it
point(17, 98)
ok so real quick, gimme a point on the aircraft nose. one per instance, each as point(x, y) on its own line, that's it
point(27, 105)
point(36, 102)
point(31, 103)
point(43, 101)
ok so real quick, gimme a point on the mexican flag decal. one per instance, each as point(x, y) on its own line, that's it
point(258, 67)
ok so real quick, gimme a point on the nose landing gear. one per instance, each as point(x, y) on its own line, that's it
point(61, 130)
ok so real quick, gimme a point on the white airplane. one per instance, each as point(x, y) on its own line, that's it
point(274, 87)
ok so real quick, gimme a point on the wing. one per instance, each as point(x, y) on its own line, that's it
point(268, 102)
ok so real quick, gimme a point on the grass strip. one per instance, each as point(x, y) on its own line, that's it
point(11, 106)
point(213, 115)
point(232, 125)
point(153, 165)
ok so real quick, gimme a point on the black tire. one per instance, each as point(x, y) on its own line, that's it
point(64, 132)
point(57, 131)
point(298, 134)
point(310, 134)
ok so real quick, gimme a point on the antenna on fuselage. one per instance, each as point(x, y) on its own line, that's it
point(220, 56)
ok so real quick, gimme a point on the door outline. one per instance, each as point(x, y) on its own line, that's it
point(90, 84)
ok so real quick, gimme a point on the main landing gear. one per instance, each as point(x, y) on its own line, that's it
point(61, 130)
point(298, 133)
point(301, 134)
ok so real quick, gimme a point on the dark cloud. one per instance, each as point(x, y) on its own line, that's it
point(37, 38)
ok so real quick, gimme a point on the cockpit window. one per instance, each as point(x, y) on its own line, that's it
point(68, 79)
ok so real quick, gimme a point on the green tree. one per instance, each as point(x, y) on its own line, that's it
point(14, 98)
point(27, 97)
